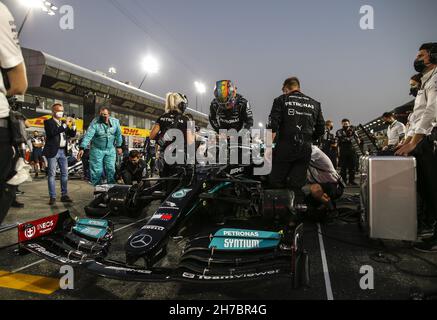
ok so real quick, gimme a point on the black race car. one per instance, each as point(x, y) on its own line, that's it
point(224, 226)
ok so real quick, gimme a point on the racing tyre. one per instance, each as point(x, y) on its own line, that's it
point(302, 271)
point(94, 209)
point(96, 212)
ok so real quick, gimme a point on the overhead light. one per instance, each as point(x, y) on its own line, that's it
point(150, 65)
point(32, 3)
point(45, 6)
point(200, 87)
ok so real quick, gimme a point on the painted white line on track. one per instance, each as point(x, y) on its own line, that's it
point(28, 266)
point(42, 260)
point(329, 294)
point(130, 225)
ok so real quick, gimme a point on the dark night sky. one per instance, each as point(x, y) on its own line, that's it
point(353, 73)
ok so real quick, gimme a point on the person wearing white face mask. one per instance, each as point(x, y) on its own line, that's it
point(58, 131)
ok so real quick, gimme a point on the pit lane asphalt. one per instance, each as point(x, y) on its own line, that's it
point(343, 260)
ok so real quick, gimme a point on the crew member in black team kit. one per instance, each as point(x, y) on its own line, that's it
point(348, 156)
point(296, 121)
point(173, 118)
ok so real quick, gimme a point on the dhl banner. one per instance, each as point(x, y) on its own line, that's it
point(135, 132)
point(125, 131)
point(38, 122)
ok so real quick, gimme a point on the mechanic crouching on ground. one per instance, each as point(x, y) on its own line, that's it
point(12, 65)
point(105, 141)
point(173, 118)
point(57, 132)
point(324, 187)
point(296, 121)
point(132, 168)
point(424, 145)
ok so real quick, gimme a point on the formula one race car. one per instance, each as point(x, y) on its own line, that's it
point(213, 225)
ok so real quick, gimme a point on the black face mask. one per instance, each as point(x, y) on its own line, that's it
point(419, 66)
point(345, 128)
point(103, 119)
point(414, 91)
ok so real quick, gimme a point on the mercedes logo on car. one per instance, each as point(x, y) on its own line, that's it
point(141, 241)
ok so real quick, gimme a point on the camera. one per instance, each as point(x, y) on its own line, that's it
point(350, 132)
point(13, 103)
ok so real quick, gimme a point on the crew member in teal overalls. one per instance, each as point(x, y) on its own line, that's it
point(104, 136)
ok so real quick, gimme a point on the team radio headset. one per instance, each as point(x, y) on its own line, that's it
point(182, 106)
point(433, 60)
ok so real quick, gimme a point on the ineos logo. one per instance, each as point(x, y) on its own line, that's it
point(141, 241)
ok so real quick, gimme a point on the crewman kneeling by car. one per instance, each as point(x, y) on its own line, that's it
point(324, 187)
point(296, 120)
point(132, 169)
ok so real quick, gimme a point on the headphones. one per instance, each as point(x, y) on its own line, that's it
point(433, 54)
point(184, 104)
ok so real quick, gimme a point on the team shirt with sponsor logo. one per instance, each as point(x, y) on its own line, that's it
point(10, 52)
point(173, 120)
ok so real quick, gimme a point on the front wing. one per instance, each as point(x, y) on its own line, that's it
point(58, 245)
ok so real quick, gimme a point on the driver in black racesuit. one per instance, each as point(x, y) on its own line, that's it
point(229, 110)
point(173, 118)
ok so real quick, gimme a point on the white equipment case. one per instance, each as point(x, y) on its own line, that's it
point(389, 197)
